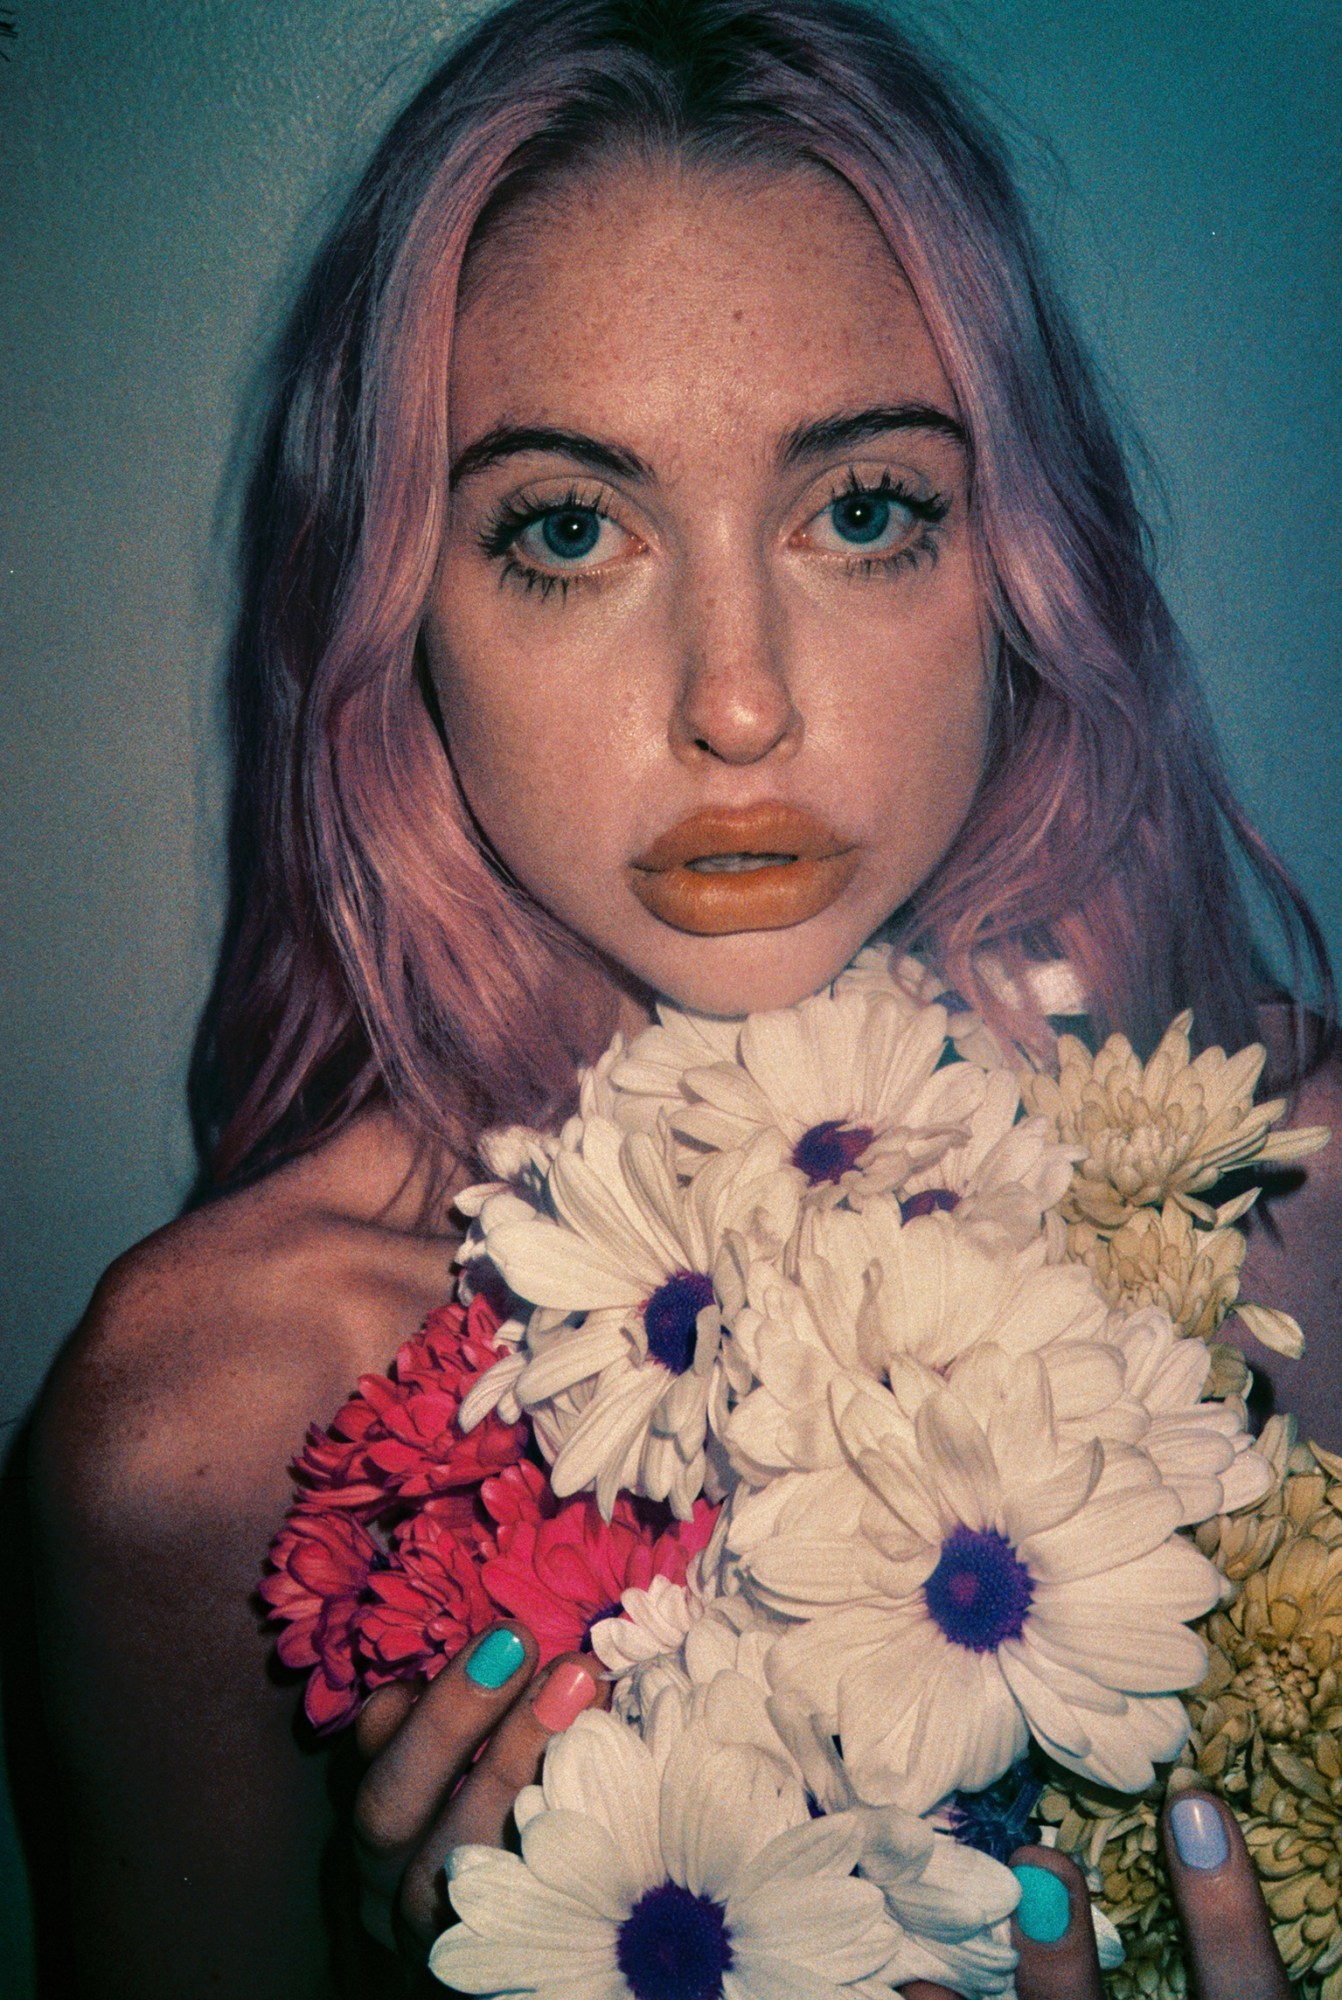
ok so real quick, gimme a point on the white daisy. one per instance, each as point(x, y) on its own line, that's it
point(847, 1088)
point(633, 1276)
point(647, 1081)
point(990, 1583)
point(950, 1902)
point(1003, 1176)
point(648, 1871)
point(879, 969)
point(520, 1157)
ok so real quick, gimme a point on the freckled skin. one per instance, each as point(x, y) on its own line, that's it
point(724, 656)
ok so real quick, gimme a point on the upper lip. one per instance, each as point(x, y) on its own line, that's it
point(771, 827)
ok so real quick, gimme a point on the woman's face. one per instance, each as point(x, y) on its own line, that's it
point(707, 632)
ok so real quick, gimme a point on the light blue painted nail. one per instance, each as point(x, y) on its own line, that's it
point(496, 1659)
point(1199, 1834)
point(1043, 1912)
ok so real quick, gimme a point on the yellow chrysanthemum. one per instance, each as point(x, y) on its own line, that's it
point(1295, 1838)
point(1274, 1671)
point(1265, 1733)
point(1166, 1130)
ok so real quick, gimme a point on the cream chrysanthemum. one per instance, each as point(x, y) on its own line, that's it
point(878, 1301)
point(1166, 1130)
point(844, 1087)
point(1202, 1449)
point(650, 1869)
point(988, 1584)
point(642, 1647)
point(1274, 1673)
point(1305, 1498)
point(628, 1369)
point(1159, 1257)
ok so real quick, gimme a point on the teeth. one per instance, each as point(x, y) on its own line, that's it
point(737, 864)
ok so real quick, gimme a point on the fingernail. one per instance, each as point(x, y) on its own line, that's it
point(1044, 1911)
point(569, 1690)
point(496, 1659)
point(1199, 1834)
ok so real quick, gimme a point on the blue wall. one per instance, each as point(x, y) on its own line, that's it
point(167, 165)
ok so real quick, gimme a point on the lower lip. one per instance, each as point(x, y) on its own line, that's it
point(772, 898)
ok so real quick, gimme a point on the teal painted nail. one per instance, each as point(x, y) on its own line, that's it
point(1043, 1911)
point(496, 1659)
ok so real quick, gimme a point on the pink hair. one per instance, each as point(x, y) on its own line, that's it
point(374, 947)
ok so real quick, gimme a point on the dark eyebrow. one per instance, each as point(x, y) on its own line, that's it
point(829, 434)
point(814, 440)
point(507, 440)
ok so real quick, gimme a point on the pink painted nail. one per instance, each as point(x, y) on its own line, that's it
point(569, 1690)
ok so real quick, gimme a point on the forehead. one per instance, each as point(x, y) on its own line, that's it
point(636, 297)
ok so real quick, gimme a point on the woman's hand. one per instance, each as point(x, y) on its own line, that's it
point(1228, 1940)
point(426, 1789)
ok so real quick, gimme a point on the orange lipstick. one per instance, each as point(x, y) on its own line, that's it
point(743, 868)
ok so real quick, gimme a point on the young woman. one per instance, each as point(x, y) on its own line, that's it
point(678, 458)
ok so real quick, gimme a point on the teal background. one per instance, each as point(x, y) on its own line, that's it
point(167, 166)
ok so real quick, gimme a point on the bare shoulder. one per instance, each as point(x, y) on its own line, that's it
point(208, 1348)
point(1294, 1259)
point(162, 1448)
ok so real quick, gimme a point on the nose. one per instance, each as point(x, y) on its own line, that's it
point(734, 704)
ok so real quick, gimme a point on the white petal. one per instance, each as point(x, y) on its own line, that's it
point(827, 1846)
point(580, 1858)
point(616, 1416)
point(837, 1928)
point(718, 1805)
point(573, 1355)
point(545, 1263)
point(598, 1767)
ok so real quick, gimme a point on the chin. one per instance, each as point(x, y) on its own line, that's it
point(751, 972)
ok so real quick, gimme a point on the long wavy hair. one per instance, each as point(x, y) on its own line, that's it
point(374, 948)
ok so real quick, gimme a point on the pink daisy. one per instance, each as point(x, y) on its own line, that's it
point(561, 1572)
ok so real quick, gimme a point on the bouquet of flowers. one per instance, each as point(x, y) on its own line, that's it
point(856, 1397)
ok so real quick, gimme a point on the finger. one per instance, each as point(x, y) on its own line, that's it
point(1226, 1925)
point(382, 1715)
point(1052, 1929)
point(407, 1781)
point(479, 1811)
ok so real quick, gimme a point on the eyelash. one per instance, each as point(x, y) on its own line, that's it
point(513, 517)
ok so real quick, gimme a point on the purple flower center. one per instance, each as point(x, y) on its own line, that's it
point(615, 1610)
point(827, 1151)
point(927, 1202)
point(674, 1946)
point(669, 1317)
point(980, 1591)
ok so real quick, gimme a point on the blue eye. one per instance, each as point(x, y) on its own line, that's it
point(860, 517)
point(878, 523)
point(570, 532)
